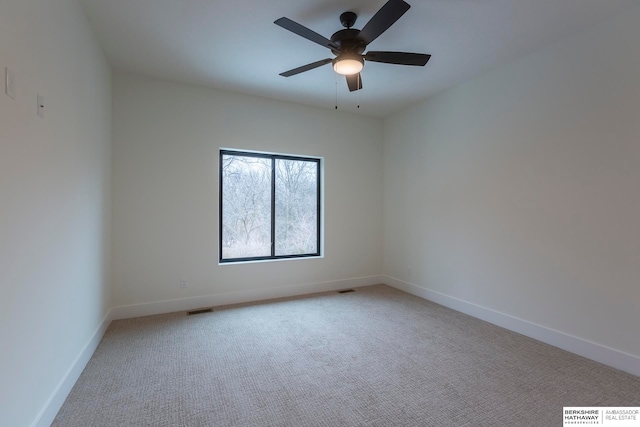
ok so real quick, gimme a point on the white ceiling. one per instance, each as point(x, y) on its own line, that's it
point(234, 44)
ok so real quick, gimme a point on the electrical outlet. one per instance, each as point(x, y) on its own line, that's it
point(183, 283)
point(9, 82)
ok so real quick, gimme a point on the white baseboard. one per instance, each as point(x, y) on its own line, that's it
point(57, 398)
point(608, 356)
point(183, 304)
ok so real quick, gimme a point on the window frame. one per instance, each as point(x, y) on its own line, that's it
point(272, 157)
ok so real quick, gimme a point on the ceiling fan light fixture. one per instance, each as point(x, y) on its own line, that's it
point(348, 64)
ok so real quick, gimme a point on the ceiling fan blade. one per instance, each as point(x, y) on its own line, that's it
point(306, 68)
point(354, 81)
point(383, 19)
point(303, 31)
point(400, 58)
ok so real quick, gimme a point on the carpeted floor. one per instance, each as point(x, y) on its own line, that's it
point(373, 357)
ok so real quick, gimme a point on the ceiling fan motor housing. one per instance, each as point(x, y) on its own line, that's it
point(348, 42)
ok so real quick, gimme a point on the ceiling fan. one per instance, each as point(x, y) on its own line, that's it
point(349, 44)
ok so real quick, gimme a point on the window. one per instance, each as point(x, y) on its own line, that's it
point(269, 206)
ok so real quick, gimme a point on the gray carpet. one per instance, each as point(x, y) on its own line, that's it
point(373, 357)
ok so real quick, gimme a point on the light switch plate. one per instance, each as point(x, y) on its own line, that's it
point(9, 82)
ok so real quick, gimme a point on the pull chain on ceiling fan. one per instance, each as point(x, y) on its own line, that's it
point(349, 44)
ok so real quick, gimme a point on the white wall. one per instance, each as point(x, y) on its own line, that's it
point(165, 186)
point(519, 191)
point(54, 204)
